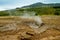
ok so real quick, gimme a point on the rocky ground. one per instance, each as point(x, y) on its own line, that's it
point(12, 29)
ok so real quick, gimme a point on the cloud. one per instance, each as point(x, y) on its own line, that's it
point(8, 4)
point(2, 9)
point(51, 1)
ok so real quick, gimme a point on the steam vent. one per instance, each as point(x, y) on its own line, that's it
point(30, 28)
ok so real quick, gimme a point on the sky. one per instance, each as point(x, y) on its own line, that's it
point(11, 4)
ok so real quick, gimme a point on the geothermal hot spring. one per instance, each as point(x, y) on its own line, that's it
point(28, 17)
point(31, 15)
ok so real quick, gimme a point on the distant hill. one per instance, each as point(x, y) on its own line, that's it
point(36, 8)
point(42, 5)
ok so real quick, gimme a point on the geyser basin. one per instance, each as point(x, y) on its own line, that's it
point(11, 22)
point(33, 21)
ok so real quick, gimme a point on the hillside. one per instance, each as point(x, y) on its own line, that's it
point(30, 11)
point(42, 5)
point(36, 9)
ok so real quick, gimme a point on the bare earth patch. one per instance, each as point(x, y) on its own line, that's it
point(11, 28)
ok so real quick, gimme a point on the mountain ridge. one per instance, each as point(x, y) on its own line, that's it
point(39, 4)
